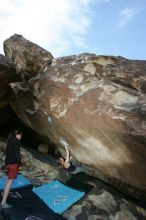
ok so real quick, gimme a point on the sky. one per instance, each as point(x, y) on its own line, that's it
point(67, 27)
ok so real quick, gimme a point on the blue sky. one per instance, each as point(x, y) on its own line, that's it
point(66, 27)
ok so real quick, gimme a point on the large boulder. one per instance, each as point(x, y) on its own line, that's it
point(96, 105)
point(29, 57)
point(8, 74)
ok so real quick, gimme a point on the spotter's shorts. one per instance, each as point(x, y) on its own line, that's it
point(12, 171)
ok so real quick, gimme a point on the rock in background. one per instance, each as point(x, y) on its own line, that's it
point(29, 57)
point(8, 73)
point(95, 105)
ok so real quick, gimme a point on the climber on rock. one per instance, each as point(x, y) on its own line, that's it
point(67, 164)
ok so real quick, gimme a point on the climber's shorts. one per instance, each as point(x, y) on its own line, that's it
point(12, 171)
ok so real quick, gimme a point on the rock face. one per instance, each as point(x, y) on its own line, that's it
point(29, 57)
point(7, 75)
point(96, 105)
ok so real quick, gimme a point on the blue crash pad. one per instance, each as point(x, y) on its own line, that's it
point(20, 182)
point(58, 196)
